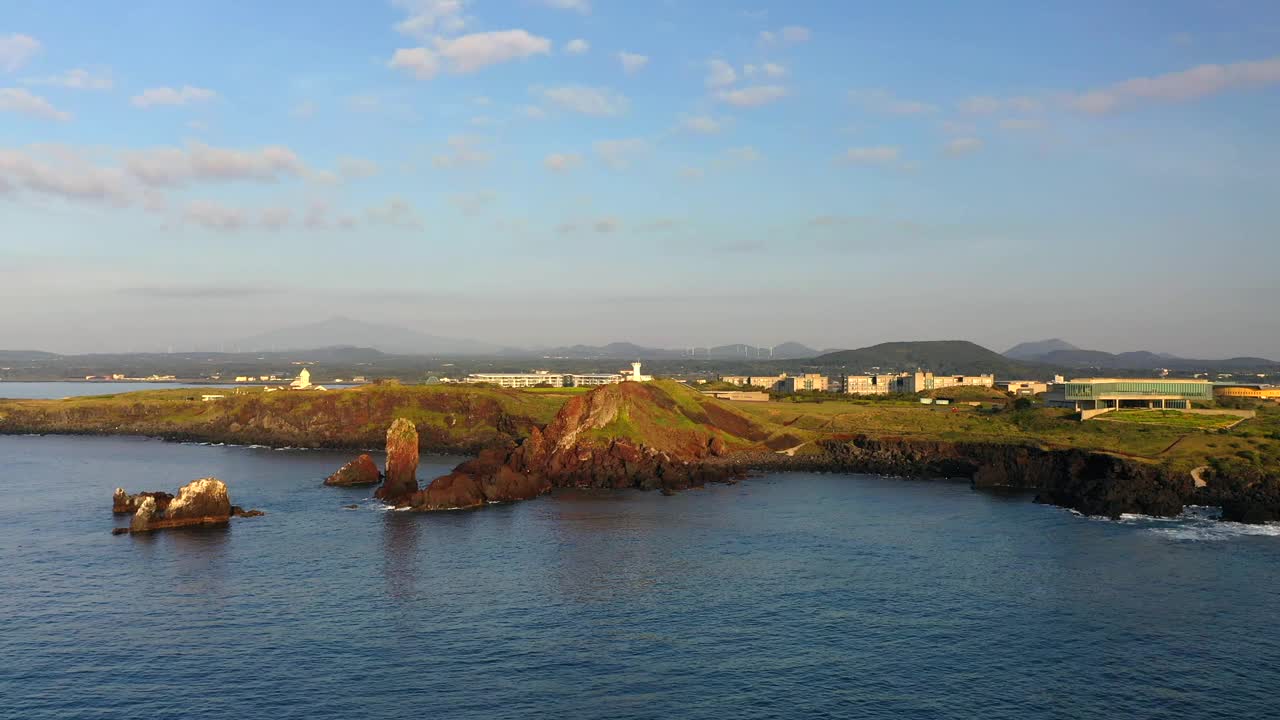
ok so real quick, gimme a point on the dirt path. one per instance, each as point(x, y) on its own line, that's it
point(1197, 475)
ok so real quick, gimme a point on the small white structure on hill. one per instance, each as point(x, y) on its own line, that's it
point(303, 382)
point(634, 374)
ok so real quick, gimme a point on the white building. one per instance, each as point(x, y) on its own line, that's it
point(634, 374)
point(303, 381)
point(592, 379)
point(543, 378)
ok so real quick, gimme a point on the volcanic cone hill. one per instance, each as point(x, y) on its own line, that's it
point(655, 435)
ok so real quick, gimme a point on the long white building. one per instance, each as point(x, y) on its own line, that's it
point(518, 380)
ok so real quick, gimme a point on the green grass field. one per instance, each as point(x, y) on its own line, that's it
point(1172, 418)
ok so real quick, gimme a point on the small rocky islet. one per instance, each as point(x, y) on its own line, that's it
point(200, 503)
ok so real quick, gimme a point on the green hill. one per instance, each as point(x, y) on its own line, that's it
point(940, 356)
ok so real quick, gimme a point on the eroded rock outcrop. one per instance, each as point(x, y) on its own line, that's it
point(361, 471)
point(401, 480)
point(199, 503)
point(630, 435)
point(123, 503)
point(1093, 483)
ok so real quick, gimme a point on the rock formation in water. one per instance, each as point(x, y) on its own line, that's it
point(361, 471)
point(200, 503)
point(123, 503)
point(401, 480)
point(652, 436)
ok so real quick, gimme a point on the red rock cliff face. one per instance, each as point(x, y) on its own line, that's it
point(402, 463)
point(570, 452)
point(361, 471)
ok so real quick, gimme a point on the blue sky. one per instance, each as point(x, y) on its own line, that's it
point(676, 173)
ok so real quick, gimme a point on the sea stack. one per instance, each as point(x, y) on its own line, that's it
point(122, 503)
point(401, 480)
point(361, 471)
point(202, 502)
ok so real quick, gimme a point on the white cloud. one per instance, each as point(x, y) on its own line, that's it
point(704, 124)
point(174, 167)
point(172, 96)
point(875, 155)
point(469, 53)
point(215, 216)
point(769, 70)
point(619, 154)
point(582, 6)
point(987, 105)
point(16, 50)
point(77, 79)
point(356, 168)
point(472, 52)
point(62, 172)
point(1183, 86)
point(562, 162)
point(426, 17)
point(419, 62)
point(789, 35)
point(753, 96)
point(577, 46)
point(963, 146)
point(533, 112)
point(632, 62)
point(720, 74)
point(21, 101)
point(396, 212)
point(882, 101)
point(606, 225)
point(464, 151)
point(598, 102)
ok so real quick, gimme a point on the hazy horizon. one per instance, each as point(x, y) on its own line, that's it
point(551, 172)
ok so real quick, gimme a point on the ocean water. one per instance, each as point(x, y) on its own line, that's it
point(785, 596)
point(56, 390)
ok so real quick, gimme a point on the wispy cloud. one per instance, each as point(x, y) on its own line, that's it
point(595, 101)
point(752, 96)
point(160, 96)
point(871, 155)
point(883, 101)
point(77, 79)
point(963, 146)
point(16, 50)
point(632, 63)
point(23, 102)
point(620, 154)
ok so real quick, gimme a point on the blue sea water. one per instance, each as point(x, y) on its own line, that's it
point(63, 389)
point(785, 596)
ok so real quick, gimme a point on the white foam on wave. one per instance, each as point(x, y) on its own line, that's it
point(1216, 531)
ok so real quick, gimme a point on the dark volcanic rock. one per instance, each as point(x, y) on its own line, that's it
point(361, 471)
point(124, 503)
point(402, 463)
point(1090, 482)
point(1244, 492)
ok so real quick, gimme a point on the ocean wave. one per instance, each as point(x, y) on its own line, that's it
point(1216, 531)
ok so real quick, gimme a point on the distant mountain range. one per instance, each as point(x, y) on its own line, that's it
point(343, 331)
point(347, 332)
point(1062, 354)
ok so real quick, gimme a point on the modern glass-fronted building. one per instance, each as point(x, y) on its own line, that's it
point(1098, 393)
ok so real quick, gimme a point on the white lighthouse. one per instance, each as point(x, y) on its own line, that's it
point(634, 375)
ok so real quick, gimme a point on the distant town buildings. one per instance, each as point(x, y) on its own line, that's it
point(808, 382)
point(922, 381)
point(546, 378)
point(1023, 387)
point(870, 384)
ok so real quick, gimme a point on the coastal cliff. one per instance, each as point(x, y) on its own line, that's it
point(449, 419)
point(652, 436)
